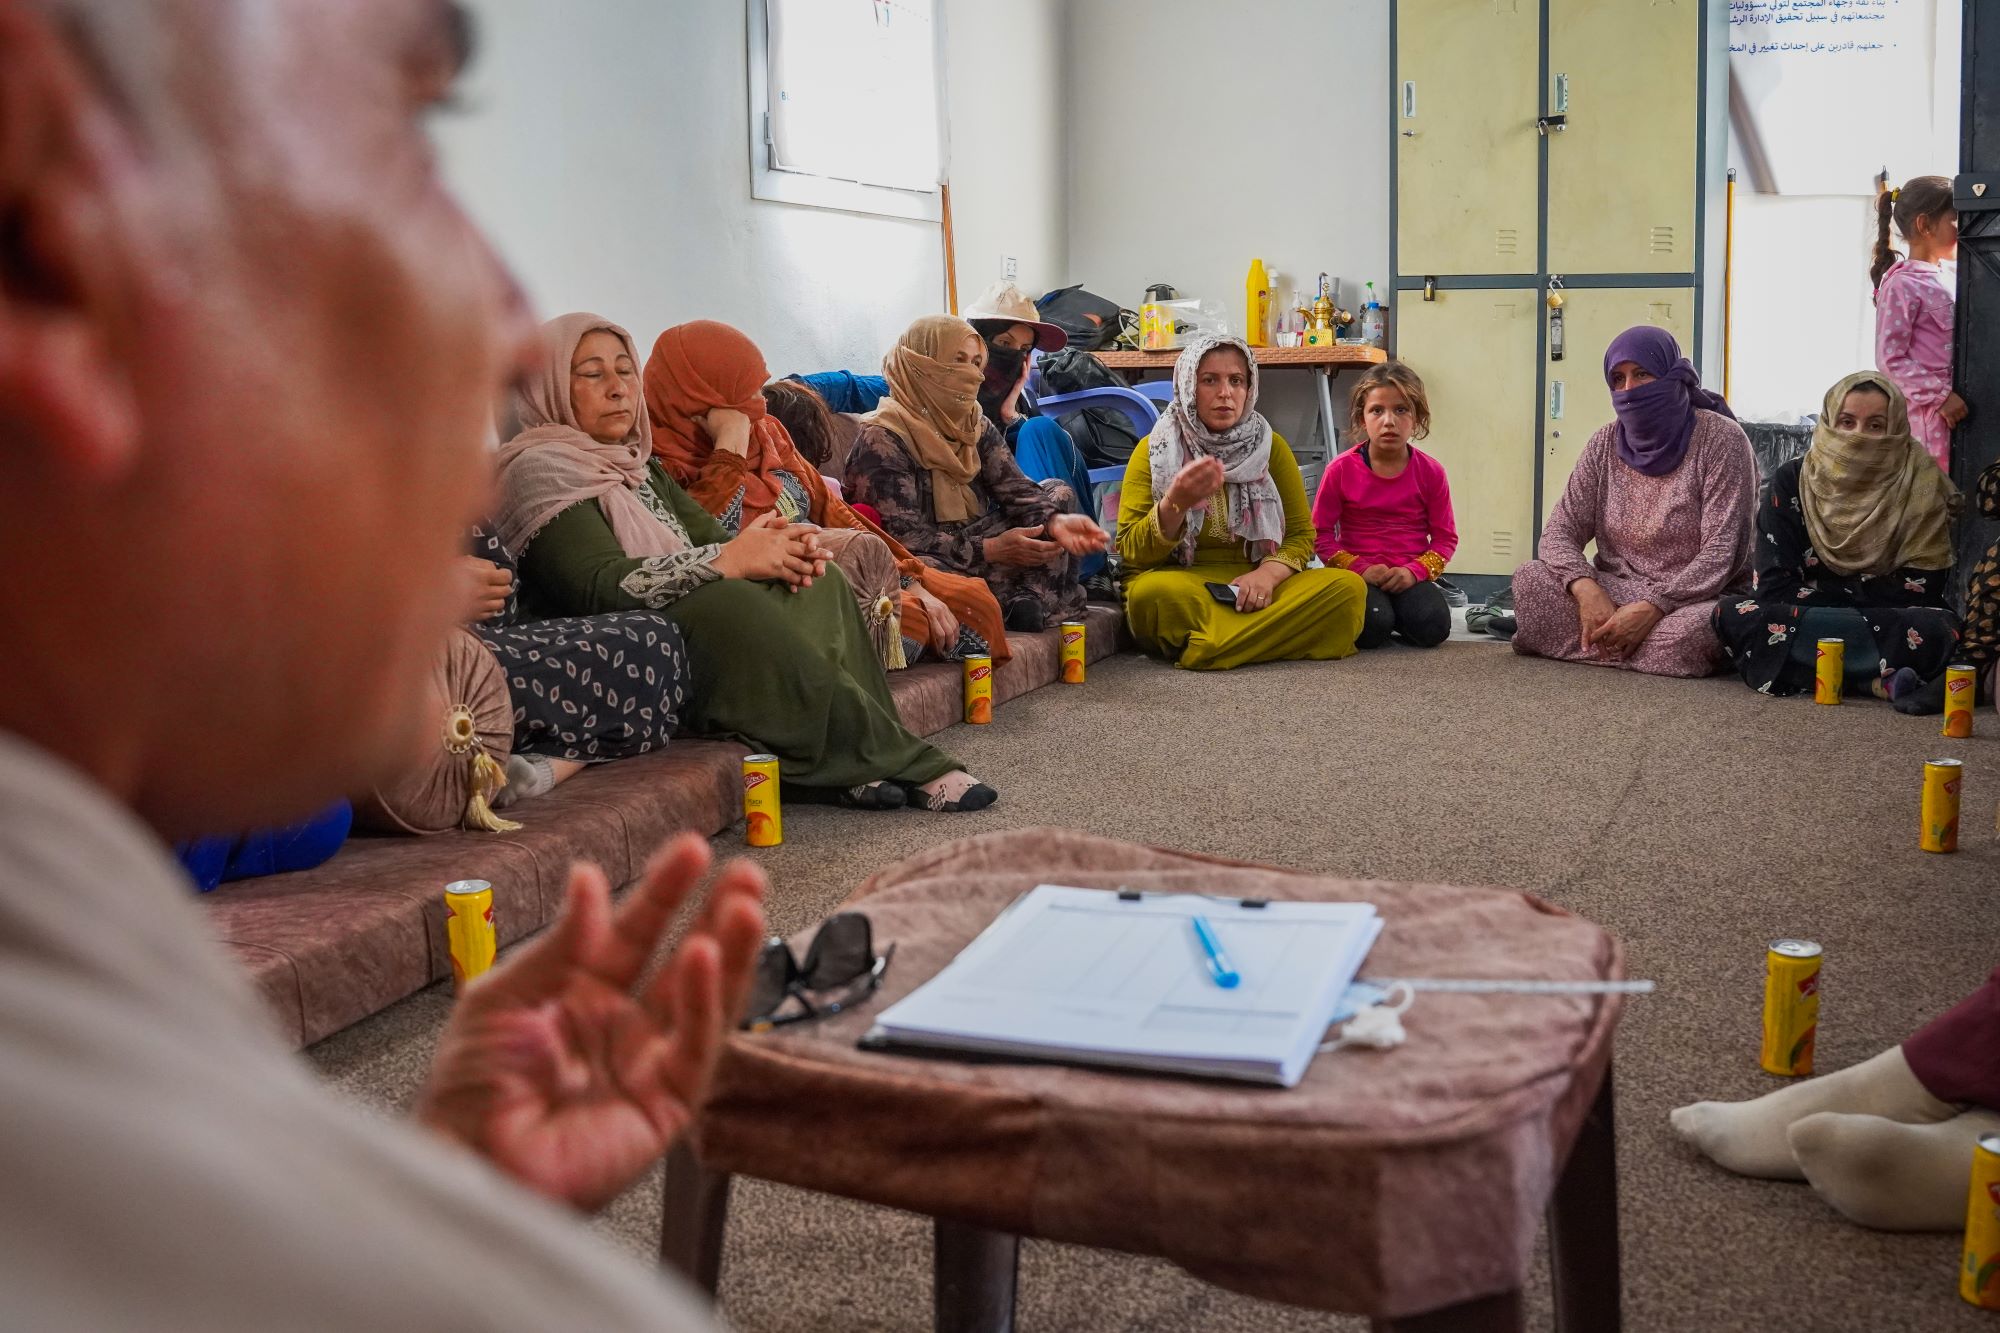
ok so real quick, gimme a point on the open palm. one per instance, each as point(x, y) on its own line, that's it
point(572, 1070)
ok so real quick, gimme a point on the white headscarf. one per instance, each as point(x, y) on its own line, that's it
point(1255, 509)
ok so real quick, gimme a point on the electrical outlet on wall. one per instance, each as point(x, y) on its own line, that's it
point(1010, 268)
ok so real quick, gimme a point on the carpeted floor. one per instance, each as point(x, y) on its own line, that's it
point(1695, 819)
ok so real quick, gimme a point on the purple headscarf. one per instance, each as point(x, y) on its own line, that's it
point(1656, 421)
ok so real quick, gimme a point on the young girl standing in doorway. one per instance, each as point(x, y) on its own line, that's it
point(1914, 300)
point(1384, 511)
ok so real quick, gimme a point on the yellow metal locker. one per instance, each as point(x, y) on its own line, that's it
point(1578, 401)
point(1622, 177)
point(1476, 353)
point(1466, 151)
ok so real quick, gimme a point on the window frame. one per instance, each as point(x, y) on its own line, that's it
point(798, 187)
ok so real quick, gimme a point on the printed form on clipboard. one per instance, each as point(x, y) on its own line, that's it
point(1104, 977)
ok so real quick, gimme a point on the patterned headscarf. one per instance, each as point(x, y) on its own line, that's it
point(553, 464)
point(1873, 504)
point(933, 405)
point(1255, 509)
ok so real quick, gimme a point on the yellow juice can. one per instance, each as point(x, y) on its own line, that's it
point(763, 819)
point(979, 690)
point(1942, 780)
point(1979, 1274)
point(1829, 668)
point(1959, 692)
point(468, 905)
point(1072, 652)
point(1791, 1006)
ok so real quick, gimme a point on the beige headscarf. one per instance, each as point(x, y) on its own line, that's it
point(1874, 504)
point(552, 464)
point(933, 404)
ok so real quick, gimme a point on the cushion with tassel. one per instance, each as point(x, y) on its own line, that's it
point(469, 732)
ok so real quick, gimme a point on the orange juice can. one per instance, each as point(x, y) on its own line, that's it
point(979, 689)
point(1072, 652)
point(1942, 780)
point(1791, 1006)
point(763, 820)
point(1958, 695)
point(468, 928)
point(1979, 1274)
point(1829, 668)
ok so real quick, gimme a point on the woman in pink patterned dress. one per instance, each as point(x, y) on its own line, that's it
point(1915, 299)
point(1668, 492)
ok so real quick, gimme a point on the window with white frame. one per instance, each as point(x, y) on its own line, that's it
point(845, 104)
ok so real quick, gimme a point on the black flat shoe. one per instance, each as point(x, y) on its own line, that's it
point(873, 796)
point(976, 797)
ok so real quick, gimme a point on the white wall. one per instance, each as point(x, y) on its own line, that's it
point(1009, 141)
point(1185, 164)
point(606, 151)
point(1802, 312)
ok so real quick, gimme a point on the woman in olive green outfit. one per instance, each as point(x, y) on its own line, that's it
point(1213, 497)
point(780, 657)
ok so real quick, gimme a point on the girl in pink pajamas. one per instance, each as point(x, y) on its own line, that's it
point(1914, 300)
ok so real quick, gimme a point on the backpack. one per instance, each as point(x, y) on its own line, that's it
point(1103, 435)
point(1089, 320)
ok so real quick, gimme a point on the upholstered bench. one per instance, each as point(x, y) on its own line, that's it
point(1407, 1185)
point(330, 946)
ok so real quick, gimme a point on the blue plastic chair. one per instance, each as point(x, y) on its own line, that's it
point(1160, 391)
point(1134, 405)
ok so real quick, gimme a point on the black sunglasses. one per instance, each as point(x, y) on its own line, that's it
point(842, 955)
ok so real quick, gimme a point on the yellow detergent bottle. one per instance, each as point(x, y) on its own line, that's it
point(1257, 306)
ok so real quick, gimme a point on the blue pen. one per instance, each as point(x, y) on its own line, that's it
point(1225, 976)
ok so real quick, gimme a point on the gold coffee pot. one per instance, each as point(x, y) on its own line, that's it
point(1323, 315)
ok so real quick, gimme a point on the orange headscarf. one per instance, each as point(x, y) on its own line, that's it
point(695, 368)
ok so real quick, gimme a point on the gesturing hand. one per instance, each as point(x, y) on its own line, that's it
point(1022, 547)
point(1077, 534)
point(1194, 483)
point(488, 588)
point(561, 1073)
point(772, 549)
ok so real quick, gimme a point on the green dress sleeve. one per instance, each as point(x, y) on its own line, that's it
point(575, 567)
point(1141, 544)
point(1296, 550)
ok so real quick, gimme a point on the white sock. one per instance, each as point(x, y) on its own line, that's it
point(1749, 1137)
point(1890, 1176)
point(527, 775)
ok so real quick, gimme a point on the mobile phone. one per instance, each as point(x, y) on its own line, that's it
point(1222, 592)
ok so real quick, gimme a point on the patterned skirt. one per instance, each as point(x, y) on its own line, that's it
point(592, 688)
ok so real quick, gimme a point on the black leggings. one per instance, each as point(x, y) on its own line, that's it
point(1420, 615)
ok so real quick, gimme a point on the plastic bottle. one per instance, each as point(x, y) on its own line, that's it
point(1374, 321)
point(1257, 306)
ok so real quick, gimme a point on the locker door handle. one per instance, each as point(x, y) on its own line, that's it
point(1409, 99)
point(1555, 400)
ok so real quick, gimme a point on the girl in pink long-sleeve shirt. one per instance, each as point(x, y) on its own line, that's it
point(1914, 300)
point(1384, 511)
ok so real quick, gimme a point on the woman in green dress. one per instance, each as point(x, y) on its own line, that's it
point(1213, 507)
point(780, 657)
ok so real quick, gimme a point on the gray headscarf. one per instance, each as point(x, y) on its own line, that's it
point(1255, 510)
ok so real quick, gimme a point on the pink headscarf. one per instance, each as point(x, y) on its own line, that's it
point(552, 464)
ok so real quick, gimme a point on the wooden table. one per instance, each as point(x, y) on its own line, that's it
point(1326, 362)
point(1404, 1185)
